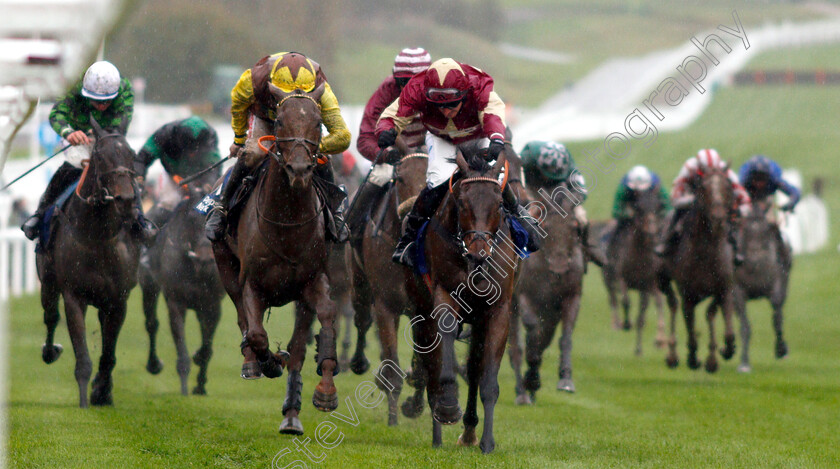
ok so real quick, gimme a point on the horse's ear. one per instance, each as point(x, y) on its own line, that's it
point(277, 92)
point(461, 162)
point(97, 129)
point(497, 168)
point(318, 92)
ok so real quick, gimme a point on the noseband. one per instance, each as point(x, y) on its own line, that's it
point(310, 146)
point(486, 236)
point(101, 194)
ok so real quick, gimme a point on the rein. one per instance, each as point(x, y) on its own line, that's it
point(105, 195)
point(486, 236)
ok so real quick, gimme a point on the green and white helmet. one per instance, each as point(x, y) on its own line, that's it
point(554, 160)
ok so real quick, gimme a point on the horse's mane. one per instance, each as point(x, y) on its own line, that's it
point(473, 155)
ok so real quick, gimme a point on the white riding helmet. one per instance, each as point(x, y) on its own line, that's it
point(101, 82)
point(709, 158)
point(639, 178)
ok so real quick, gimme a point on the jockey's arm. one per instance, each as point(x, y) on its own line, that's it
point(124, 105)
point(620, 201)
point(791, 191)
point(664, 200)
point(338, 138)
point(241, 99)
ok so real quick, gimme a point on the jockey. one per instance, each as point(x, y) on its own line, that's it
point(108, 98)
point(250, 97)
point(638, 180)
point(184, 147)
point(762, 177)
point(456, 103)
point(547, 164)
point(682, 200)
point(409, 62)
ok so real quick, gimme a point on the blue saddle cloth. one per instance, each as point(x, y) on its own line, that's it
point(517, 233)
point(209, 201)
point(46, 220)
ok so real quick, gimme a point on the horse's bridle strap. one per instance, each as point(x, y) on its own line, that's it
point(299, 96)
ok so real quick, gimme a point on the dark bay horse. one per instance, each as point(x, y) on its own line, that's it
point(633, 264)
point(702, 266)
point(92, 260)
point(278, 254)
point(549, 293)
point(762, 275)
point(181, 264)
point(376, 281)
point(472, 264)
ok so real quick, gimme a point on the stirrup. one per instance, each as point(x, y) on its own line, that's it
point(32, 227)
point(216, 224)
point(404, 256)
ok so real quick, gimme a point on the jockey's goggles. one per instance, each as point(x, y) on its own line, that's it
point(443, 96)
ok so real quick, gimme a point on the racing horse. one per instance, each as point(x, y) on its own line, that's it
point(278, 254)
point(471, 272)
point(181, 264)
point(702, 266)
point(92, 260)
point(373, 277)
point(633, 264)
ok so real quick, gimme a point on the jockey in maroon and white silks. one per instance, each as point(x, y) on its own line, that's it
point(706, 158)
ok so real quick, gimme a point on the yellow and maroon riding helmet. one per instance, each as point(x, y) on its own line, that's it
point(446, 82)
point(294, 71)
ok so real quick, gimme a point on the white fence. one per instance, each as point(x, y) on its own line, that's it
point(17, 264)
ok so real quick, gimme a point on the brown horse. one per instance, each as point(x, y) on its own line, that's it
point(472, 264)
point(702, 266)
point(373, 275)
point(763, 275)
point(92, 260)
point(633, 264)
point(278, 254)
point(549, 293)
point(181, 264)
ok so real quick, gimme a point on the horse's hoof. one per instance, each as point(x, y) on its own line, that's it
point(531, 381)
point(488, 446)
point(51, 354)
point(392, 420)
point(744, 368)
point(411, 409)
point(627, 326)
point(343, 365)
point(533, 395)
point(154, 366)
point(728, 350)
point(447, 415)
point(672, 361)
point(101, 398)
point(659, 343)
point(199, 391)
point(251, 370)
point(325, 402)
point(693, 363)
point(567, 385)
point(271, 368)
point(616, 325)
point(781, 349)
point(523, 399)
point(711, 366)
point(469, 441)
point(291, 426)
point(359, 364)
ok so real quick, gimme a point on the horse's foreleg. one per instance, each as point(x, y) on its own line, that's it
point(495, 336)
point(616, 320)
point(777, 300)
point(294, 383)
point(426, 345)
point(348, 314)
point(570, 306)
point(74, 309)
point(661, 337)
point(664, 286)
point(644, 298)
point(538, 334)
point(625, 305)
point(208, 320)
point(390, 376)
point(446, 409)
point(728, 350)
point(151, 291)
point(740, 304)
point(317, 297)
point(256, 337)
point(691, 335)
point(177, 313)
point(111, 319)
point(475, 366)
point(711, 359)
point(50, 351)
point(515, 355)
point(362, 299)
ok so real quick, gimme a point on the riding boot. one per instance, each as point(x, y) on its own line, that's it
point(671, 237)
point(362, 203)
point(66, 175)
point(528, 223)
point(325, 172)
point(216, 224)
point(424, 207)
point(733, 238)
point(592, 252)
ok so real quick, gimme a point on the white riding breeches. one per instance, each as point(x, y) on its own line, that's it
point(441, 160)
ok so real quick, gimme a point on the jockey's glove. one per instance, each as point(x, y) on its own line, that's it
point(496, 147)
point(387, 138)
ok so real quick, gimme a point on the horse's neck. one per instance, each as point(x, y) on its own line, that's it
point(289, 204)
point(92, 222)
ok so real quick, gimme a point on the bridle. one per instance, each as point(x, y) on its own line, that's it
point(100, 195)
point(485, 236)
point(310, 146)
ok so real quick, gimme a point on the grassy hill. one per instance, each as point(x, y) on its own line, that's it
point(628, 411)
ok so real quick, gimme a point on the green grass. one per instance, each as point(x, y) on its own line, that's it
point(628, 411)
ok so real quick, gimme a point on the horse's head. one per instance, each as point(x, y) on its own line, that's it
point(110, 177)
point(646, 207)
point(562, 247)
point(410, 174)
point(714, 195)
point(297, 133)
point(478, 197)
